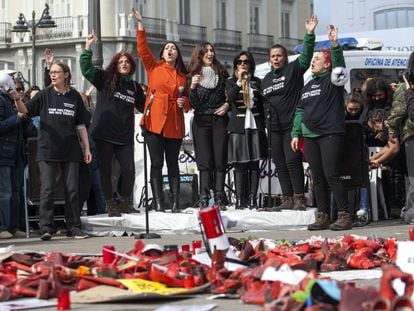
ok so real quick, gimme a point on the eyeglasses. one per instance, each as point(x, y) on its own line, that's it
point(55, 72)
point(243, 61)
point(19, 89)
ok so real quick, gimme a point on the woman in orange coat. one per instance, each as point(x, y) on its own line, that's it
point(163, 117)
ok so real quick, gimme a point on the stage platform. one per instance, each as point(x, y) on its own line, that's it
point(187, 222)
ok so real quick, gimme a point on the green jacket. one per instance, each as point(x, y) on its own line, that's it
point(398, 121)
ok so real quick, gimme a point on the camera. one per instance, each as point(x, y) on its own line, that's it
point(409, 76)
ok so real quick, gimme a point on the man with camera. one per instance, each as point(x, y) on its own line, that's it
point(401, 130)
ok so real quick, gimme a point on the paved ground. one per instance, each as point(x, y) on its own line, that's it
point(389, 228)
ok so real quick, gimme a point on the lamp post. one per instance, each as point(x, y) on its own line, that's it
point(22, 26)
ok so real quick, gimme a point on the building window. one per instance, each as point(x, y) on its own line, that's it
point(185, 12)
point(254, 18)
point(285, 24)
point(394, 18)
point(221, 15)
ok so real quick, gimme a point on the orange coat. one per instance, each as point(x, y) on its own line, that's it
point(165, 116)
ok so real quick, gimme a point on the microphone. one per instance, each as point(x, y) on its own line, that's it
point(147, 111)
point(180, 91)
point(245, 75)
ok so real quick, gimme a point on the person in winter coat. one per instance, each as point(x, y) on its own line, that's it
point(247, 136)
point(163, 118)
point(281, 88)
point(320, 119)
point(208, 98)
point(112, 127)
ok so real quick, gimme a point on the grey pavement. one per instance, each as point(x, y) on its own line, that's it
point(387, 228)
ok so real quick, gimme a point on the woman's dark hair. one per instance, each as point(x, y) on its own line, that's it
point(378, 84)
point(179, 63)
point(196, 61)
point(285, 52)
point(112, 74)
point(250, 59)
point(356, 97)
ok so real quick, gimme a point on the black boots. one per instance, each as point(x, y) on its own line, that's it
point(254, 185)
point(158, 202)
point(175, 193)
point(205, 178)
point(219, 194)
point(240, 180)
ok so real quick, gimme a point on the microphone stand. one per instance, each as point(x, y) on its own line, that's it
point(147, 234)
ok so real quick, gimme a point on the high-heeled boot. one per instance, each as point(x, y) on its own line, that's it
point(205, 178)
point(219, 194)
point(158, 202)
point(240, 179)
point(175, 193)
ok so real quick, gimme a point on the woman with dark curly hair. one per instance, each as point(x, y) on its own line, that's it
point(112, 125)
point(167, 99)
point(207, 97)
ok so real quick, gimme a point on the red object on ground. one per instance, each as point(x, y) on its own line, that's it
point(108, 257)
point(411, 233)
point(196, 245)
point(63, 300)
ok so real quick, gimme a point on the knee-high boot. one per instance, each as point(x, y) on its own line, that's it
point(219, 194)
point(158, 202)
point(254, 186)
point(205, 178)
point(175, 193)
point(240, 179)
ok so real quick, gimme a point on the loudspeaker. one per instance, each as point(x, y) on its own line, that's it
point(354, 164)
point(188, 190)
point(33, 191)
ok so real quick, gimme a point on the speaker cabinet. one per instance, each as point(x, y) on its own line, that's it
point(33, 191)
point(354, 164)
point(188, 190)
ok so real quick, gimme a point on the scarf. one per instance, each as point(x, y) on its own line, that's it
point(209, 78)
point(249, 121)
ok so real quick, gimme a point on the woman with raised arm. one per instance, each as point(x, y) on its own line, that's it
point(112, 126)
point(208, 98)
point(247, 136)
point(320, 119)
point(281, 88)
point(163, 118)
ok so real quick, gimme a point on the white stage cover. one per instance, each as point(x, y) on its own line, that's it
point(187, 222)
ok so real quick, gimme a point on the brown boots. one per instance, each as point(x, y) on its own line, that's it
point(125, 206)
point(112, 208)
point(287, 202)
point(322, 222)
point(299, 202)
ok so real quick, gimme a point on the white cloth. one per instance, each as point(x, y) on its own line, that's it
point(249, 121)
point(209, 78)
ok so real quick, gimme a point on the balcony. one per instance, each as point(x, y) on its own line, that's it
point(155, 28)
point(259, 43)
point(289, 43)
point(190, 34)
point(227, 39)
point(5, 34)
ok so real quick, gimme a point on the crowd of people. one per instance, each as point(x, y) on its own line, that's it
point(80, 142)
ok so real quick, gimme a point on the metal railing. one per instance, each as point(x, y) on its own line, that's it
point(258, 42)
point(5, 32)
point(192, 34)
point(227, 39)
point(289, 43)
point(155, 28)
point(63, 30)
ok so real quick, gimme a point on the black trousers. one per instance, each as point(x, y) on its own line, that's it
point(48, 171)
point(324, 154)
point(125, 156)
point(159, 146)
point(288, 163)
point(210, 142)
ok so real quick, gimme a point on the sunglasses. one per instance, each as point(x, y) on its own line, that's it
point(20, 89)
point(242, 61)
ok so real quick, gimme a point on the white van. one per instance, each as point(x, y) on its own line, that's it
point(361, 65)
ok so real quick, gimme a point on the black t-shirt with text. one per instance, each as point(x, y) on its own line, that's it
point(59, 116)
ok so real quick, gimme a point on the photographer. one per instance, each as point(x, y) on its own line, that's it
point(401, 130)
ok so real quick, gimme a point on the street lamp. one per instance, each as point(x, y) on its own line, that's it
point(22, 26)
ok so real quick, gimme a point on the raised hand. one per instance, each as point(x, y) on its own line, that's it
point(138, 17)
point(311, 23)
point(49, 57)
point(90, 39)
point(333, 35)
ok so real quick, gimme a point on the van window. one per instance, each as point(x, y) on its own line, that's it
point(359, 75)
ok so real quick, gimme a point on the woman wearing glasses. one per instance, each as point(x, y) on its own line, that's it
point(112, 127)
point(281, 88)
point(163, 117)
point(247, 137)
point(63, 119)
point(207, 97)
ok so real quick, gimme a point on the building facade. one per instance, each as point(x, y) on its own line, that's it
point(231, 25)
